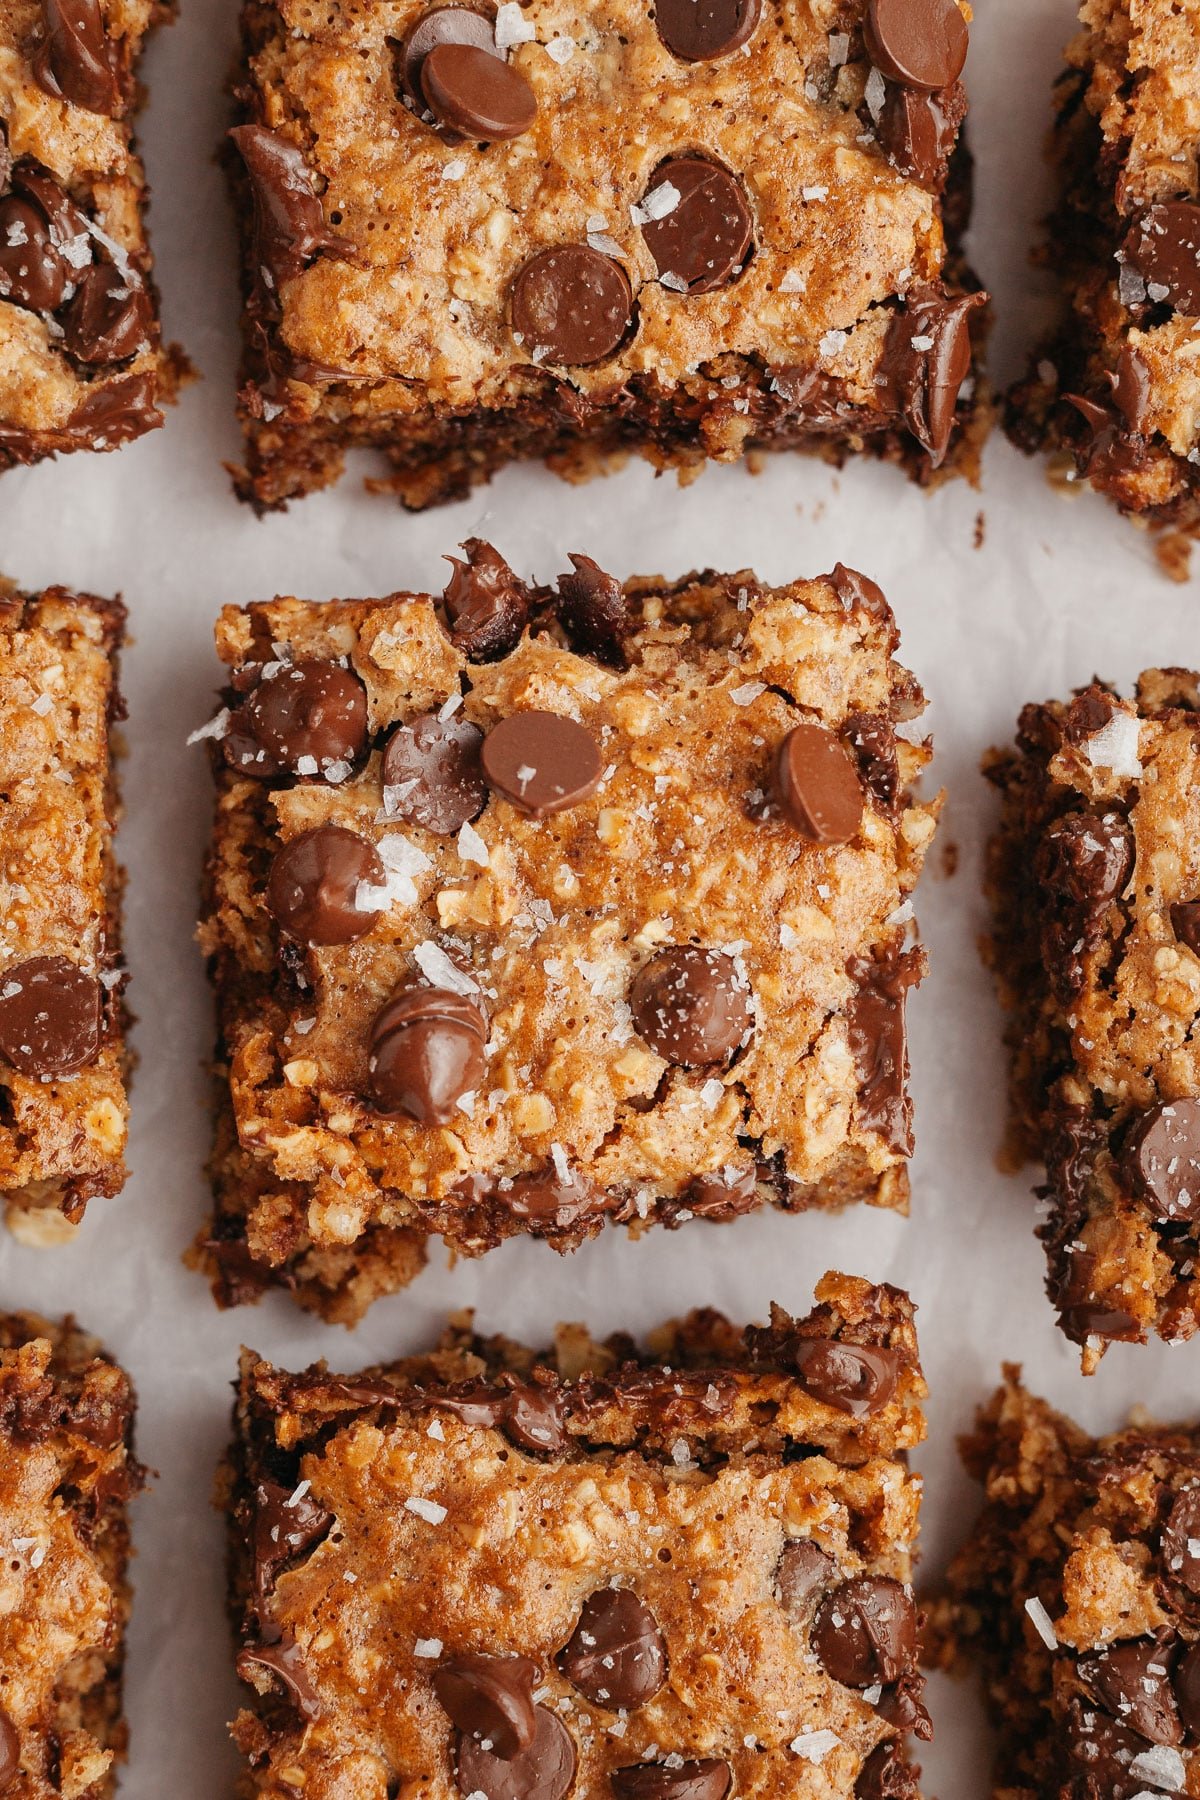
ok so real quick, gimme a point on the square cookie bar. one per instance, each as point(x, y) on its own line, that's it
point(1094, 877)
point(1078, 1594)
point(1114, 390)
point(675, 1575)
point(62, 1023)
point(67, 1469)
point(574, 228)
point(529, 909)
point(81, 362)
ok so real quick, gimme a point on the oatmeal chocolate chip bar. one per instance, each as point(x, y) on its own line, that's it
point(67, 1469)
point(529, 908)
point(81, 362)
point(676, 1574)
point(63, 1064)
point(1078, 1593)
point(1113, 389)
point(574, 228)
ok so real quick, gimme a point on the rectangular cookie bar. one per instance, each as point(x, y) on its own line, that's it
point(1113, 391)
point(668, 1575)
point(1076, 1594)
point(67, 1469)
point(63, 1063)
point(529, 908)
point(1094, 877)
point(572, 229)
point(81, 362)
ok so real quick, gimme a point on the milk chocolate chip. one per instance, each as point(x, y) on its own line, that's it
point(289, 220)
point(1164, 247)
point(804, 1571)
point(309, 718)
point(76, 60)
point(817, 785)
point(427, 1051)
point(703, 1778)
point(49, 1017)
point(865, 1631)
point(922, 43)
point(544, 1771)
point(1161, 1160)
point(432, 775)
point(852, 1377)
point(284, 1527)
point(917, 131)
point(470, 90)
point(446, 25)
point(703, 238)
point(875, 1030)
point(550, 1201)
point(490, 1698)
point(286, 1660)
point(541, 762)
point(571, 305)
point(702, 30)
point(926, 359)
point(486, 605)
point(313, 888)
point(616, 1656)
point(691, 1005)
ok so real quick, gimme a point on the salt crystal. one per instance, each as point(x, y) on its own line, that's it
point(430, 1510)
point(749, 690)
point(831, 343)
point(560, 49)
point(875, 93)
point(793, 282)
point(441, 970)
point(214, 729)
point(814, 1746)
point(471, 846)
point(1115, 746)
point(839, 48)
point(1040, 1620)
point(427, 1647)
point(454, 170)
point(512, 27)
point(1162, 1766)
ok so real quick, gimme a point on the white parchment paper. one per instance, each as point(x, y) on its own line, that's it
point(1059, 589)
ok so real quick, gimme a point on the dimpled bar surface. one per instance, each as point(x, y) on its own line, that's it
point(67, 1469)
point(1078, 1594)
point(676, 1574)
point(62, 1052)
point(574, 228)
point(610, 927)
point(1114, 390)
point(81, 362)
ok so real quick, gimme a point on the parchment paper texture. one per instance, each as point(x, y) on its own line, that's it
point(1059, 589)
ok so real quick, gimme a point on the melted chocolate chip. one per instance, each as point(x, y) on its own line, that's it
point(817, 785)
point(427, 1050)
point(1187, 1690)
point(550, 1201)
point(691, 1005)
point(50, 1013)
point(1161, 1160)
point(616, 1656)
point(851, 1377)
point(486, 605)
point(703, 240)
point(543, 1772)
point(592, 611)
point(1082, 864)
point(704, 1778)
point(1185, 923)
point(309, 719)
point(541, 762)
point(313, 888)
point(114, 412)
point(1180, 1560)
point(804, 1571)
point(110, 317)
point(922, 43)
point(702, 30)
point(533, 1416)
point(1163, 246)
point(886, 1775)
point(917, 131)
point(903, 1706)
point(289, 220)
point(875, 1031)
point(1131, 389)
point(285, 1526)
point(926, 359)
point(490, 1698)
point(284, 1659)
point(872, 736)
point(858, 593)
point(1104, 1751)
point(446, 25)
point(571, 305)
point(75, 59)
point(432, 774)
point(10, 1751)
point(723, 1196)
point(865, 1631)
point(33, 273)
point(470, 90)
point(1133, 1681)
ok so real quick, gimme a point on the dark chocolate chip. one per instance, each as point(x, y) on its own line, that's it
point(446, 25)
point(917, 131)
point(875, 1031)
point(571, 305)
point(803, 1572)
point(703, 1778)
point(432, 775)
point(1163, 245)
point(75, 59)
point(550, 1201)
point(114, 412)
point(1133, 1681)
point(592, 610)
point(313, 887)
point(1187, 1690)
point(1104, 1752)
point(49, 1017)
point(490, 1698)
point(33, 271)
point(310, 713)
point(486, 605)
point(872, 736)
point(1185, 923)
point(472, 91)
point(616, 1656)
point(691, 1005)
point(705, 237)
point(926, 359)
point(1161, 1159)
point(817, 785)
point(1131, 389)
point(902, 1705)
point(10, 1751)
point(541, 762)
point(1181, 1542)
point(284, 1659)
point(543, 1772)
point(289, 220)
point(533, 1416)
point(427, 1050)
point(922, 43)
point(286, 1524)
point(865, 1631)
point(702, 30)
point(109, 318)
point(853, 1378)
point(1081, 865)
point(886, 1775)
point(721, 1196)
point(858, 593)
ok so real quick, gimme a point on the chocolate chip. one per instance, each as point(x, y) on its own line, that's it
point(902, 1705)
point(541, 762)
point(865, 1631)
point(471, 91)
point(804, 1570)
point(570, 305)
point(1131, 388)
point(616, 1656)
point(33, 273)
point(592, 611)
point(10, 1751)
point(1185, 923)
point(543, 1772)
point(490, 1698)
point(1104, 1752)
point(1133, 1681)
point(533, 1416)
point(550, 1201)
point(705, 237)
point(721, 1196)
point(926, 359)
point(1187, 1690)
point(75, 59)
point(817, 785)
point(284, 1659)
point(49, 1017)
point(1163, 245)
point(427, 1050)
point(1080, 867)
point(872, 736)
point(851, 1377)
point(487, 606)
point(114, 412)
point(703, 1778)
point(922, 43)
point(313, 887)
point(875, 1032)
point(1161, 1159)
point(110, 317)
point(286, 1524)
point(309, 718)
point(1181, 1542)
point(289, 220)
point(446, 25)
point(858, 593)
point(692, 1006)
point(886, 1775)
point(917, 131)
point(702, 30)
point(432, 775)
